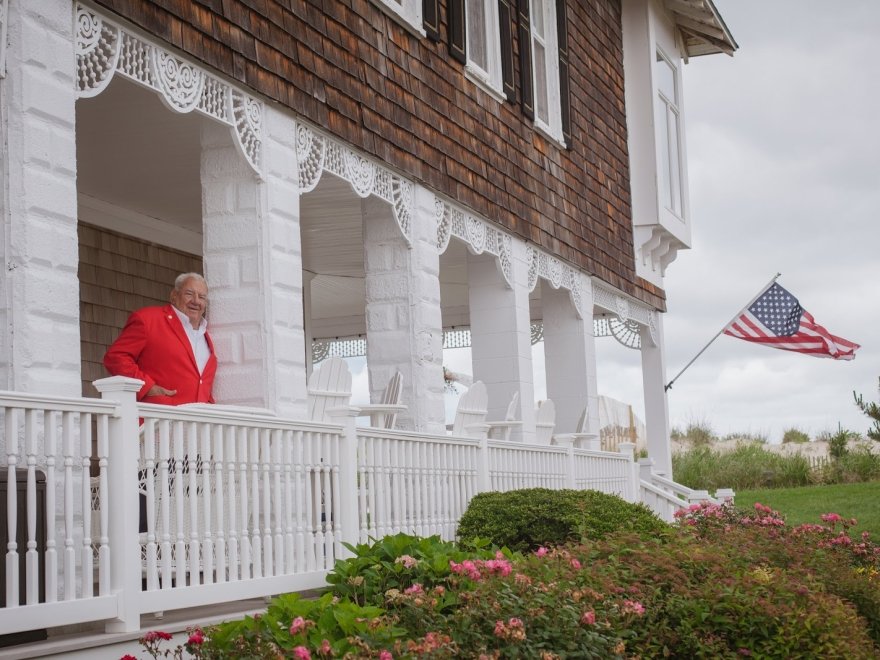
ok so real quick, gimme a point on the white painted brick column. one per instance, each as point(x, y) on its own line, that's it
point(570, 357)
point(501, 337)
point(253, 264)
point(39, 348)
point(404, 325)
point(656, 405)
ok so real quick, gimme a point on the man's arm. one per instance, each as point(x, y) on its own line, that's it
point(121, 359)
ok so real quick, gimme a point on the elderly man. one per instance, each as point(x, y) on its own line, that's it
point(168, 347)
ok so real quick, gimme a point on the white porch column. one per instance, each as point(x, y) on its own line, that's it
point(656, 405)
point(253, 264)
point(501, 337)
point(570, 357)
point(39, 348)
point(404, 326)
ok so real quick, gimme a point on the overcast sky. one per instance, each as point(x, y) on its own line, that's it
point(783, 143)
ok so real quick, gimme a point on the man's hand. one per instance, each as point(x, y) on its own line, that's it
point(158, 390)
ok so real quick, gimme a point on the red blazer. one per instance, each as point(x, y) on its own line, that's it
point(154, 348)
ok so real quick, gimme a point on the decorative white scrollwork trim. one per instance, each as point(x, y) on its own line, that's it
point(625, 308)
point(317, 153)
point(104, 48)
point(479, 235)
point(557, 274)
point(653, 330)
point(627, 333)
point(180, 82)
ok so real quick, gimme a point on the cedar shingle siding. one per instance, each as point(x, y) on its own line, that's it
point(350, 69)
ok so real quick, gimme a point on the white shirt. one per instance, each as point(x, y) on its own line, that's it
point(196, 339)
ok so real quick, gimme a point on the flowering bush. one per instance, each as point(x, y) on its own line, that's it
point(726, 583)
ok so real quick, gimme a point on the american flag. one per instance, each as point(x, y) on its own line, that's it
point(776, 319)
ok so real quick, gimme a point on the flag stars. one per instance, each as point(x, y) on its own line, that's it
point(780, 311)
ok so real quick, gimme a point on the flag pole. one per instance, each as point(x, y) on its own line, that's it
point(702, 350)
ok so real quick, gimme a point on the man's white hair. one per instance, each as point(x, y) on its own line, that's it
point(183, 278)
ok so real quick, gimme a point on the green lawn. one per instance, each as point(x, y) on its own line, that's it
point(804, 505)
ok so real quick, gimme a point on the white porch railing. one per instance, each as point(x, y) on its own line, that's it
point(151, 508)
point(665, 497)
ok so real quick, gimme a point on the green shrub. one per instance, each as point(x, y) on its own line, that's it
point(726, 583)
point(838, 443)
point(397, 563)
point(794, 435)
point(524, 520)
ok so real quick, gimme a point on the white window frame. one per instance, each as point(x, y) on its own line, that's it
point(668, 117)
point(549, 41)
point(406, 12)
point(490, 77)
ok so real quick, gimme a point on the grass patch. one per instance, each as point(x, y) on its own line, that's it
point(805, 504)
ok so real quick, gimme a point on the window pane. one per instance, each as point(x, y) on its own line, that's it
point(538, 17)
point(666, 79)
point(663, 156)
point(674, 165)
point(541, 92)
point(476, 33)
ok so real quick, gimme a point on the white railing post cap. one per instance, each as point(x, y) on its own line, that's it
point(118, 384)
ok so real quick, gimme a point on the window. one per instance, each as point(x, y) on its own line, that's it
point(410, 11)
point(545, 67)
point(475, 41)
point(483, 44)
point(668, 134)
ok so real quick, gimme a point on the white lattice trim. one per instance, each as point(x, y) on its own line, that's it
point(478, 234)
point(317, 153)
point(104, 48)
point(557, 274)
point(625, 308)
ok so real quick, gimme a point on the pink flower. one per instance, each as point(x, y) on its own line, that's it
point(575, 564)
point(500, 628)
point(196, 638)
point(415, 589)
point(325, 647)
point(385, 655)
point(407, 561)
point(588, 618)
point(302, 653)
point(297, 625)
point(155, 635)
point(514, 622)
point(542, 551)
point(128, 656)
point(633, 607)
point(831, 517)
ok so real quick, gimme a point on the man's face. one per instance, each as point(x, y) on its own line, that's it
point(192, 300)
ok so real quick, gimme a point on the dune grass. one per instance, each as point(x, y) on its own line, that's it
point(805, 504)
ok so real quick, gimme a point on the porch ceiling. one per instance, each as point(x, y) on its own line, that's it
point(135, 153)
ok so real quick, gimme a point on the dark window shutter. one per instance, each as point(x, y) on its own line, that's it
point(527, 98)
point(431, 18)
point(505, 16)
point(457, 35)
point(564, 88)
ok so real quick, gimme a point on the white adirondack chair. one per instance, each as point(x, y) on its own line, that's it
point(329, 389)
point(384, 414)
point(470, 416)
point(581, 438)
point(501, 430)
point(545, 421)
